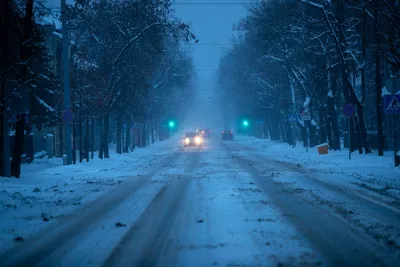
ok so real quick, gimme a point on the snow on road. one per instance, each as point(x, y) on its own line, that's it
point(48, 191)
point(93, 244)
point(346, 189)
point(200, 210)
point(231, 222)
point(243, 203)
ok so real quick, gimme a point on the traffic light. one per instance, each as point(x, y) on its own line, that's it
point(245, 123)
point(171, 124)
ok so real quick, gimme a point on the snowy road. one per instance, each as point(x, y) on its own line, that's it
point(222, 205)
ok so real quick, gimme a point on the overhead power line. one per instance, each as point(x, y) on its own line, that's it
point(178, 3)
point(214, 3)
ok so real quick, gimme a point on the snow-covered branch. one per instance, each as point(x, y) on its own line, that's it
point(44, 104)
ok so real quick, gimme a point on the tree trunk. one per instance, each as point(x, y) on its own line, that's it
point(378, 84)
point(333, 113)
point(134, 137)
point(270, 130)
point(364, 53)
point(353, 135)
point(122, 138)
point(336, 132)
point(358, 132)
point(18, 146)
point(153, 140)
point(266, 128)
point(87, 146)
point(145, 135)
point(105, 138)
point(290, 133)
point(20, 125)
point(363, 130)
point(329, 131)
point(101, 147)
point(322, 125)
point(28, 144)
point(304, 134)
point(156, 131)
point(119, 132)
point(6, 15)
point(74, 142)
point(348, 88)
point(313, 135)
point(127, 136)
point(4, 137)
point(92, 139)
point(285, 130)
point(360, 110)
point(275, 127)
point(87, 135)
point(61, 138)
point(80, 128)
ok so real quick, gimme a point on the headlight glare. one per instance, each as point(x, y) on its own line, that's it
point(198, 140)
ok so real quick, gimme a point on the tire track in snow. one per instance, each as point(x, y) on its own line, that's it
point(336, 241)
point(385, 214)
point(144, 242)
point(64, 233)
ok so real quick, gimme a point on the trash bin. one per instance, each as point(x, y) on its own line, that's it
point(65, 160)
point(323, 149)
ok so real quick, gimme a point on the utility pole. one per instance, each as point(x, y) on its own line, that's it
point(65, 67)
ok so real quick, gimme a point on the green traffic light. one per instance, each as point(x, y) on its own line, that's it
point(171, 124)
point(245, 123)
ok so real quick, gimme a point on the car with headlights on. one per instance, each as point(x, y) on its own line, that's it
point(206, 133)
point(192, 139)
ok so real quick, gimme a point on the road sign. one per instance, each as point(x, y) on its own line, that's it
point(305, 114)
point(67, 116)
point(392, 103)
point(292, 118)
point(348, 110)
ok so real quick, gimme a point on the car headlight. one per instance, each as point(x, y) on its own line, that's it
point(198, 140)
point(187, 140)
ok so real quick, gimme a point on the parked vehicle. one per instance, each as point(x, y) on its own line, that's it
point(227, 135)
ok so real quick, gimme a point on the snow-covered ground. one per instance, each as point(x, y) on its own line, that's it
point(234, 203)
point(47, 190)
point(364, 191)
point(372, 172)
point(222, 216)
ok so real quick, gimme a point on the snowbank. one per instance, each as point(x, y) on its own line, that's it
point(369, 171)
